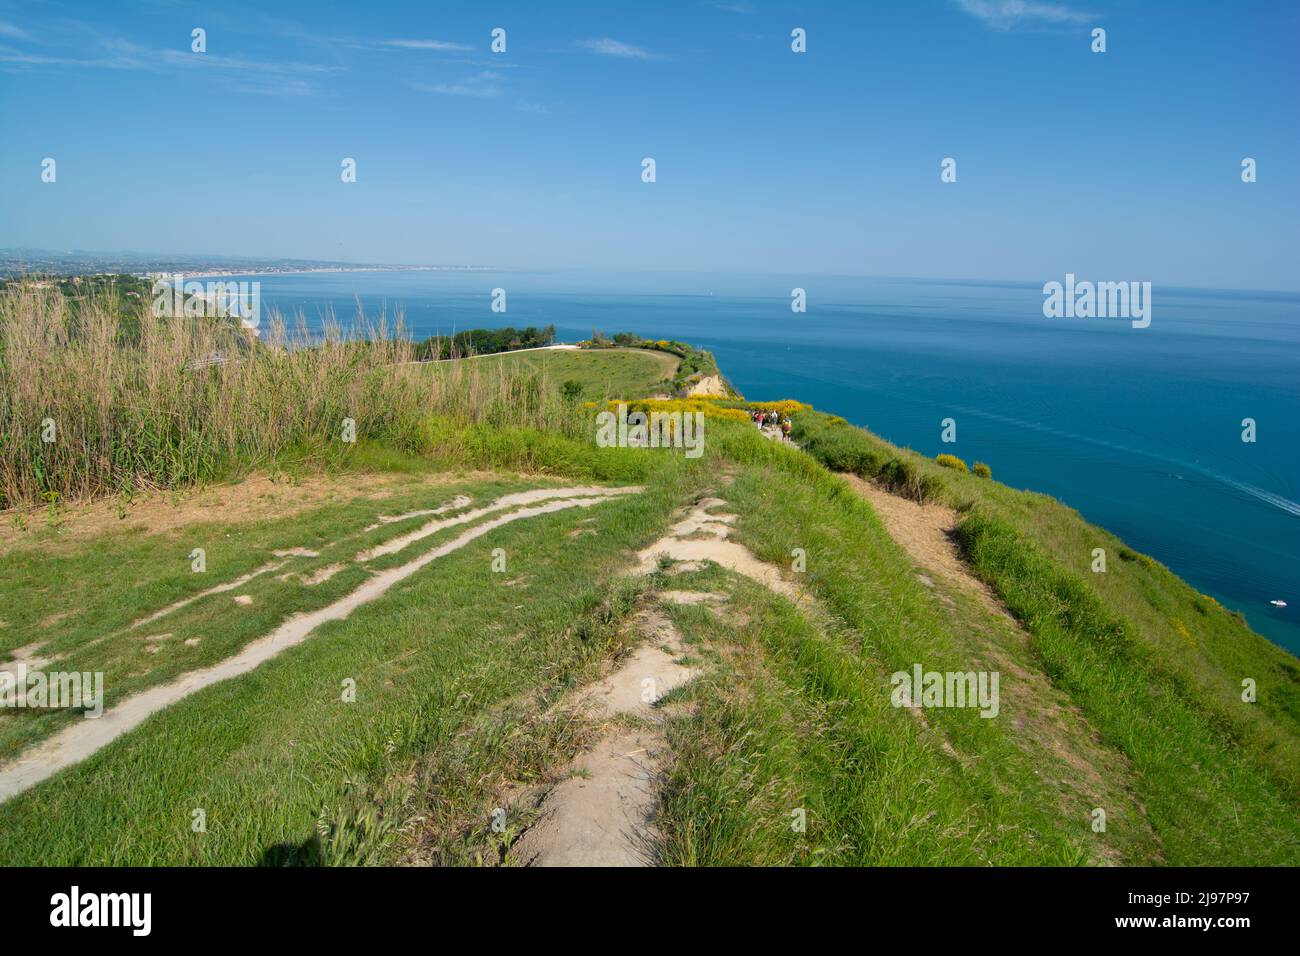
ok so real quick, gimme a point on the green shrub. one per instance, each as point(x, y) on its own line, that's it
point(902, 478)
point(953, 462)
point(838, 451)
point(837, 445)
point(982, 470)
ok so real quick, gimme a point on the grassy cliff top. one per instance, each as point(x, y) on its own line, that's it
point(388, 640)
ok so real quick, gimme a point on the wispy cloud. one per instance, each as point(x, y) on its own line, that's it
point(269, 77)
point(607, 47)
point(441, 46)
point(128, 55)
point(282, 86)
point(485, 84)
point(1008, 14)
point(13, 32)
point(732, 6)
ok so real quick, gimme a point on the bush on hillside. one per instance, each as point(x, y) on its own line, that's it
point(483, 342)
point(982, 470)
point(953, 462)
point(902, 478)
point(838, 451)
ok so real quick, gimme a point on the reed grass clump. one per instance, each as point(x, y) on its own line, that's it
point(98, 398)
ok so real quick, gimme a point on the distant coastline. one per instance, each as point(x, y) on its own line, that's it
point(219, 273)
point(15, 262)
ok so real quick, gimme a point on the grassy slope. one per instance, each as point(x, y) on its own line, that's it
point(271, 754)
point(457, 698)
point(603, 373)
point(1155, 666)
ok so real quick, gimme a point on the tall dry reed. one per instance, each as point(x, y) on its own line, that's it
point(95, 400)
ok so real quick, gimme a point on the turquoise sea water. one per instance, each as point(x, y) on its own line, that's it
point(1139, 429)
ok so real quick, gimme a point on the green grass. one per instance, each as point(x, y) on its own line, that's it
point(600, 373)
point(1119, 690)
point(1205, 795)
point(1155, 666)
point(274, 753)
point(82, 605)
point(797, 714)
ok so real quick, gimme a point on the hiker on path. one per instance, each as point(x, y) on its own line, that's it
point(785, 428)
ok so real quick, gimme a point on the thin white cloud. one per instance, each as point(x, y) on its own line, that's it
point(133, 56)
point(441, 46)
point(732, 6)
point(271, 77)
point(282, 86)
point(1007, 14)
point(13, 32)
point(607, 47)
point(483, 84)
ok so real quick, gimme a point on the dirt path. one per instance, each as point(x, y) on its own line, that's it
point(81, 739)
point(231, 585)
point(926, 534)
point(603, 815)
point(1089, 773)
point(704, 536)
point(505, 501)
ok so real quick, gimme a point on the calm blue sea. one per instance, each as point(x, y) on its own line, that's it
point(1139, 429)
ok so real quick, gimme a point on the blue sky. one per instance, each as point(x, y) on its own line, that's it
point(1122, 165)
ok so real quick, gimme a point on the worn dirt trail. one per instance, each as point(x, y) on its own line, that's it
point(78, 741)
point(1089, 772)
point(702, 536)
point(231, 585)
point(604, 814)
point(505, 501)
point(926, 534)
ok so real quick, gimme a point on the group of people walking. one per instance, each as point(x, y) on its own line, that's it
point(771, 419)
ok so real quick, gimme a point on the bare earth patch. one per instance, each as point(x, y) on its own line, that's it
point(925, 532)
point(321, 575)
point(703, 536)
point(255, 498)
point(603, 815)
point(505, 501)
point(710, 386)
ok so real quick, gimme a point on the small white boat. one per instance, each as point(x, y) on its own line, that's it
point(1278, 603)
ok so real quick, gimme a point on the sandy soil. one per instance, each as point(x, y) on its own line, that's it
point(701, 536)
point(603, 815)
point(710, 386)
point(505, 501)
point(256, 498)
point(926, 534)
